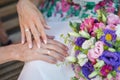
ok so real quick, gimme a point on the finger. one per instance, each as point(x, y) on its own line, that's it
point(56, 55)
point(42, 19)
point(56, 48)
point(48, 59)
point(28, 36)
point(47, 27)
point(36, 35)
point(50, 37)
point(41, 30)
point(22, 31)
point(58, 44)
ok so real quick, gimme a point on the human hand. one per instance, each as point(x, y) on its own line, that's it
point(31, 23)
point(52, 52)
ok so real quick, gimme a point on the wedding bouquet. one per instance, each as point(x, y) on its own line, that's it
point(95, 45)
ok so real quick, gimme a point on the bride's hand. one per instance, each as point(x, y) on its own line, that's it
point(52, 52)
point(31, 23)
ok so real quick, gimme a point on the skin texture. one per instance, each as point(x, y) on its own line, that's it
point(52, 52)
point(31, 19)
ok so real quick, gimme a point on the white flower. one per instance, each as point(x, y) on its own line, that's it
point(99, 63)
point(118, 31)
point(84, 34)
point(88, 43)
point(74, 34)
point(97, 78)
point(82, 59)
point(71, 59)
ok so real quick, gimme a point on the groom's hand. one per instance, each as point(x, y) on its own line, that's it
point(52, 52)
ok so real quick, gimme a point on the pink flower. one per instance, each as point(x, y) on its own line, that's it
point(98, 25)
point(65, 6)
point(118, 76)
point(99, 5)
point(105, 70)
point(77, 7)
point(113, 19)
point(96, 51)
point(111, 27)
point(77, 69)
point(58, 6)
point(87, 24)
point(111, 10)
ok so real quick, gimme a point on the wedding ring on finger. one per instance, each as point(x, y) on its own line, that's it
point(48, 52)
point(26, 30)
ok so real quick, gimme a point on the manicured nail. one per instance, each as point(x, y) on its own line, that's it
point(30, 46)
point(45, 41)
point(48, 26)
point(22, 42)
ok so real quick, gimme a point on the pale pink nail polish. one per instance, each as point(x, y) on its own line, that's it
point(45, 41)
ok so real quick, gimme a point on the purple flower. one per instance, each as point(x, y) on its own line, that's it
point(87, 69)
point(110, 58)
point(79, 41)
point(109, 36)
point(117, 68)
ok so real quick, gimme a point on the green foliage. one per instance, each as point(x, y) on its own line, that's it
point(74, 78)
point(102, 15)
point(75, 26)
point(113, 73)
point(99, 33)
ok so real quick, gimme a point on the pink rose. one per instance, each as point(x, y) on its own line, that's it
point(96, 51)
point(113, 19)
point(87, 24)
point(65, 6)
point(58, 6)
point(118, 76)
point(111, 26)
point(77, 7)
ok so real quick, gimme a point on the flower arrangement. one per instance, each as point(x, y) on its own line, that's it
point(95, 45)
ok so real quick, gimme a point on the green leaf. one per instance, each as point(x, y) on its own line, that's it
point(74, 34)
point(113, 73)
point(75, 26)
point(74, 78)
point(93, 74)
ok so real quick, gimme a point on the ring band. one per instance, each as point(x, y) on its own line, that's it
point(26, 30)
point(48, 52)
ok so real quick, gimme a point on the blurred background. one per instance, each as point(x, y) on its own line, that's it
point(9, 28)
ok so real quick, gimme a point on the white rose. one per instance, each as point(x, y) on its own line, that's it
point(84, 34)
point(118, 31)
point(82, 59)
point(71, 59)
point(88, 43)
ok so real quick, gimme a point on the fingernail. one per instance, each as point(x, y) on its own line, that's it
point(48, 26)
point(30, 46)
point(38, 45)
point(22, 42)
point(45, 41)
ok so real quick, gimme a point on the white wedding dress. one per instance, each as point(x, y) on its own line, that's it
point(40, 70)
